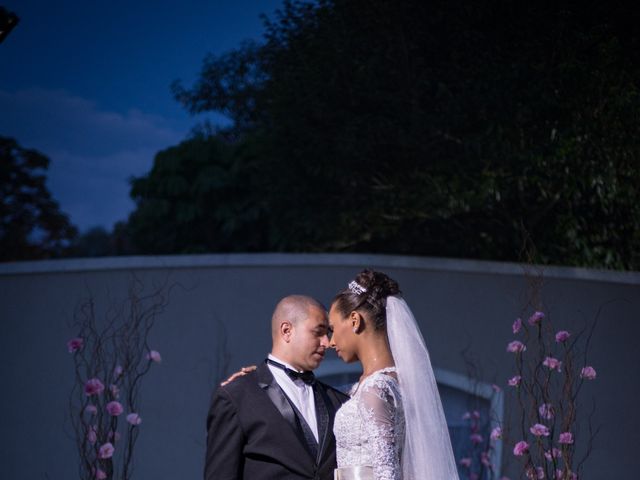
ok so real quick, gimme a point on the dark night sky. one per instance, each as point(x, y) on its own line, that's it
point(87, 84)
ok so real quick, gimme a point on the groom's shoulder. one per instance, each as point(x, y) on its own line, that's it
point(240, 385)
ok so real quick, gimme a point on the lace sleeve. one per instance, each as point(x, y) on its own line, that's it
point(384, 427)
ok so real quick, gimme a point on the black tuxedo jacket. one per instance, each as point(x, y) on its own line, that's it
point(253, 433)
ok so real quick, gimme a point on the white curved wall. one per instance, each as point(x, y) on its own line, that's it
point(460, 304)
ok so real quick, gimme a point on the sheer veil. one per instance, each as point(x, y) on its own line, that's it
point(427, 453)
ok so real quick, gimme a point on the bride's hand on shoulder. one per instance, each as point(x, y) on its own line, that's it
point(241, 373)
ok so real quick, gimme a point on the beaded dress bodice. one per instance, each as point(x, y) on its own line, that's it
point(369, 428)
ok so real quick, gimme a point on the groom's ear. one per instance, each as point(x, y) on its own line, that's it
point(286, 329)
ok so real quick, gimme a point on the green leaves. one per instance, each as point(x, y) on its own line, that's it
point(198, 197)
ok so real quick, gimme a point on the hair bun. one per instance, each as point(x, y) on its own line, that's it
point(369, 292)
point(379, 285)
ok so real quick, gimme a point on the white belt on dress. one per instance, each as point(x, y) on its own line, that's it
point(361, 472)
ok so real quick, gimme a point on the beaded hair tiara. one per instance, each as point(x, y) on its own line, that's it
point(356, 288)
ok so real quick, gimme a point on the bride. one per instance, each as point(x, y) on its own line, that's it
point(393, 427)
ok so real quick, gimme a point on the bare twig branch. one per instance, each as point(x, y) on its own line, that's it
point(115, 356)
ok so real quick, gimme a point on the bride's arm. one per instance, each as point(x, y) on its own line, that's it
point(378, 407)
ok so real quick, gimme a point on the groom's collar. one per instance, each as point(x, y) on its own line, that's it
point(271, 356)
point(265, 377)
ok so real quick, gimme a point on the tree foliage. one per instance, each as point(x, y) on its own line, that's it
point(99, 242)
point(31, 223)
point(434, 128)
point(199, 196)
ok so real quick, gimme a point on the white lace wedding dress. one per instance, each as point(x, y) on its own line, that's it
point(385, 432)
point(369, 429)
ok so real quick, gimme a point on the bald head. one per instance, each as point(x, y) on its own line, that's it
point(299, 329)
point(292, 309)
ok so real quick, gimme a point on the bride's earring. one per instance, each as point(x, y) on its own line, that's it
point(355, 329)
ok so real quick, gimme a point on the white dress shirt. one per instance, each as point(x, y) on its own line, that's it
point(298, 392)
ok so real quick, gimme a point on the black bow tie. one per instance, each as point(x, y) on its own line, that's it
point(307, 377)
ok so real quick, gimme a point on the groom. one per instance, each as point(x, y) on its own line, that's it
point(276, 423)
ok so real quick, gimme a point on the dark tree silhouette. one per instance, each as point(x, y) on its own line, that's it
point(31, 223)
point(431, 128)
point(8, 21)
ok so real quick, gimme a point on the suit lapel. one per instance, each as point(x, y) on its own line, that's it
point(322, 415)
point(332, 402)
point(279, 400)
point(282, 404)
point(327, 442)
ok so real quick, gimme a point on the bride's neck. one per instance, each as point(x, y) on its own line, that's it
point(375, 354)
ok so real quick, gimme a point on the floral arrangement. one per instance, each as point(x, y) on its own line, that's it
point(550, 370)
point(477, 464)
point(111, 357)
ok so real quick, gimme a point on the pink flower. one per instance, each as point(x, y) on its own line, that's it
point(547, 411)
point(554, 453)
point(475, 414)
point(496, 388)
point(539, 430)
point(516, 347)
point(115, 436)
point(115, 391)
point(154, 356)
point(536, 318)
point(520, 448)
point(535, 473)
point(588, 373)
point(92, 437)
point(475, 438)
point(465, 462)
point(93, 387)
point(106, 451)
point(114, 408)
point(117, 372)
point(134, 419)
point(496, 433)
point(75, 345)
point(552, 363)
point(100, 475)
point(566, 438)
point(91, 409)
point(560, 475)
point(515, 381)
point(485, 460)
point(562, 336)
point(466, 416)
point(517, 325)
